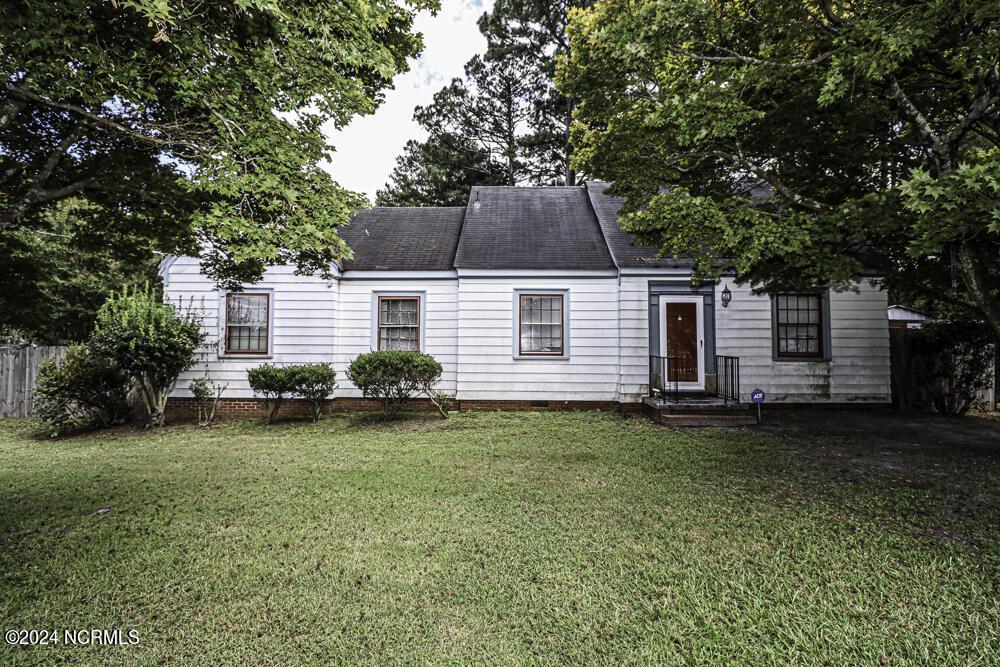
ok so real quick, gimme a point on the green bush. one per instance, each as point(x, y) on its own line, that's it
point(85, 391)
point(272, 382)
point(152, 341)
point(953, 362)
point(314, 383)
point(393, 377)
point(207, 395)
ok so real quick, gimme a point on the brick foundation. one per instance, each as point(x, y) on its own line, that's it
point(185, 409)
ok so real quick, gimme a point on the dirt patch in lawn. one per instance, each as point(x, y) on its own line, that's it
point(955, 461)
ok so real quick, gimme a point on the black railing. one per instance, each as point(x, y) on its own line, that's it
point(727, 378)
point(666, 374)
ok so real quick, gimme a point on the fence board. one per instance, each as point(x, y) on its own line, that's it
point(19, 368)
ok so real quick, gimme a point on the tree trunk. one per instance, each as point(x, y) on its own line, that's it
point(973, 275)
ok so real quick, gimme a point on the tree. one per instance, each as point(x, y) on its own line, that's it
point(535, 32)
point(875, 126)
point(438, 172)
point(199, 118)
point(503, 124)
point(475, 128)
point(151, 341)
point(54, 278)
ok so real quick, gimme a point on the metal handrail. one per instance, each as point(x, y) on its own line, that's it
point(727, 378)
point(665, 374)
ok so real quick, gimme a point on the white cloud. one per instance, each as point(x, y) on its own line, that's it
point(366, 149)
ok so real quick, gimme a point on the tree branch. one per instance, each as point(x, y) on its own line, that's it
point(10, 111)
point(37, 192)
point(771, 179)
point(734, 57)
point(980, 107)
point(146, 132)
point(939, 152)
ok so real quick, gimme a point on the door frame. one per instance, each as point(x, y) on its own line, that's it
point(699, 301)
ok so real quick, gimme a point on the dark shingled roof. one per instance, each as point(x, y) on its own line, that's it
point(531, 228)
point(626, 254)
point(403, 239)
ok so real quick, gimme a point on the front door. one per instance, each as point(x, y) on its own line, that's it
point(682, 340)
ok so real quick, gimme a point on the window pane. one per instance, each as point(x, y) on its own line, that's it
point(798, 317)
point(399, 323)
point(541, 324)
point(246, 323)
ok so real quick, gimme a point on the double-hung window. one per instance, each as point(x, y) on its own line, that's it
point(541, 330)
point(248, 323)
point(799, 325)
point(399, 323)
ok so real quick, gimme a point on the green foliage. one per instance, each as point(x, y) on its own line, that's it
point(153, 342)
point(84, 391)
point(953, 361)
point(393, 376)
point(314, 383)
point(439, 171)
point(53, 279)
point(207, 395)
point(272, 382)
point(194, 126)
point(874, 126)
point(503, 124)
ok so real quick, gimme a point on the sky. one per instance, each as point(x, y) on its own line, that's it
point(366, 149)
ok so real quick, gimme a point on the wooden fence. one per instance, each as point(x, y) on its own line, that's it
point(18, 371)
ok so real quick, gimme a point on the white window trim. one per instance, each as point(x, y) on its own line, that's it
point(221, 345)
point(516, 325)
point(419, 294)
point(222, 313)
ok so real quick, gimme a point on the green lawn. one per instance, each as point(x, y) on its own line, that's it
point(525, 537)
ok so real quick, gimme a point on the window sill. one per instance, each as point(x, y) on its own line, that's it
point(541, 357)
point(799, 360)
point(230, 355)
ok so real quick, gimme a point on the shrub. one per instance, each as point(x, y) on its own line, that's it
point(393, 377)
point(206, 395)
point(272, 382)
point(314, 383)
point(152, 341)
point(85, 391)
point(953, 361)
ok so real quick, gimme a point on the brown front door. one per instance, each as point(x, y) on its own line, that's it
point(682, 341)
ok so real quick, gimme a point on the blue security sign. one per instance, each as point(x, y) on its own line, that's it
point(757, 396)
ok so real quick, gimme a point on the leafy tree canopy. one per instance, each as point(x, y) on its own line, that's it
point(195, 124)
point(875, 124)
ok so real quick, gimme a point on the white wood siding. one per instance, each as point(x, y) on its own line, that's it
point(439, 319)
point(858, 371)
point(469, 327)
point(303, 324)
point(634, 297)
point(487, 369)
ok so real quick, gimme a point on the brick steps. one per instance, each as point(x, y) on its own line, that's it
point(698, 411)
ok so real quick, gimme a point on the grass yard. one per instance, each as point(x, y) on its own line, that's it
point(550, 538)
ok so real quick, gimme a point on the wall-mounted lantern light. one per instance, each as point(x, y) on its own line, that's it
point(476, 203)
point(727, 296)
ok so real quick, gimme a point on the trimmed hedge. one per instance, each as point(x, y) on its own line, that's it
point(312, 382)
point(394, 377)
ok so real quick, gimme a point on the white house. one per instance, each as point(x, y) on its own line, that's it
point(533, 296)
